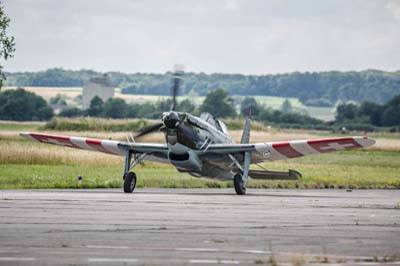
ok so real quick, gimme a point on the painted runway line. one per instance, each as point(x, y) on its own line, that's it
point(125, 260)
point(16, 259)
point(244, 251)
point(108, 247)
point(198, 261)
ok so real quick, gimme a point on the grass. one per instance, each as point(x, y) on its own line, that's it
point(65, 176)
point(272, 101)
point(19, 126)
point(96, 124)
point(26, 164)
point(127, 125)
point(323, 113)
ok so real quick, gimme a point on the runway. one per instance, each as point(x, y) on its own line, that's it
point(199, 226)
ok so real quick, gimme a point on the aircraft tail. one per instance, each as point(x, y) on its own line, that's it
point(246, 132)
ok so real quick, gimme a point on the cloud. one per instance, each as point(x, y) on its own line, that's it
point(394, 9)
point(252, 36)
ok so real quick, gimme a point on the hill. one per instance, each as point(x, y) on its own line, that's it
point(311, 88)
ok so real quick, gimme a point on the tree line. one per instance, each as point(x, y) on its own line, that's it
point(21, 105)
point(311, 88)
point(369, 113)
point(117, 108)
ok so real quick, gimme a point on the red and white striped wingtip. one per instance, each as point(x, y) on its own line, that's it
point(297, 148)
point(27, 136)
point(105, 146)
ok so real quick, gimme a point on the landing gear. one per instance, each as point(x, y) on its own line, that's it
point(240, 179)
point(129, 182)
point(240, 187)
point(130, 177)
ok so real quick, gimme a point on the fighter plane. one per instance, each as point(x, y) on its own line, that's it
point(202, 147)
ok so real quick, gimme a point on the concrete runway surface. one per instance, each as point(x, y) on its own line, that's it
point(199, 226)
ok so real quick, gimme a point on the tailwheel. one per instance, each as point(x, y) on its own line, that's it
point(129, 182)
point(239, 185)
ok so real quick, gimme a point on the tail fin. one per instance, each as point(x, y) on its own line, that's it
point(246, 131)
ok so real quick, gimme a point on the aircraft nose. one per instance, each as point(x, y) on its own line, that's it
point(171, 120)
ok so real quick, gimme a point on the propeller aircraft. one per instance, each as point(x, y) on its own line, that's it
point(202, 147)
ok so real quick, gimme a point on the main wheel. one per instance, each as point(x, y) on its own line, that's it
point(239, 186)
point(129, 182)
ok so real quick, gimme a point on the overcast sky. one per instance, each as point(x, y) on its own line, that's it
point(237, 36)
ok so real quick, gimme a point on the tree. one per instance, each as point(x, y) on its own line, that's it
point(316, 89)
point(21, 105)
point(373, 111)
point(96, 106)
point(147, 110)
point(164, 105)
point(286, 106)
point(115, 108)
point(391, 114)
point(71, 112)
point(7, 43)
point(186, 106)
point(58, 99)
point(219, 104)
point(346, 112)
point(248, 105)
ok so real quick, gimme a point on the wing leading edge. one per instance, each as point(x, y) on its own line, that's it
point(274, 151)
point(269, 150)
point(104, 146)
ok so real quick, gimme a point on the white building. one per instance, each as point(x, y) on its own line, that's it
point(97, 86)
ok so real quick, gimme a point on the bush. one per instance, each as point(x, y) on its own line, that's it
point(323, 102)
point(96, 124)
point(21, 105)
point(71, 112)
point(292, 119)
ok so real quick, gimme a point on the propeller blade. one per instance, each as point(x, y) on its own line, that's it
point(176, 79)
point(149, 129)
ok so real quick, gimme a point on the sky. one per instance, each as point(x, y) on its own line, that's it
point(225, 36)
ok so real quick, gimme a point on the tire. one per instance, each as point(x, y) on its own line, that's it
point(239, 186)
point(129, 182)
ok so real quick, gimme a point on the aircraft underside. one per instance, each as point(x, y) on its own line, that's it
point(220, 171)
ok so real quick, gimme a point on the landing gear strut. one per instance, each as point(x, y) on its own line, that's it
point(129, 176)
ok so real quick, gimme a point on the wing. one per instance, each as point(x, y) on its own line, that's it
point(292, 149)
point(154, 150)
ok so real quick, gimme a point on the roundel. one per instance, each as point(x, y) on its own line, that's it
point(267, 154)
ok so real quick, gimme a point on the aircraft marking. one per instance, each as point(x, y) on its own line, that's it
point(324, 145)
point(267, 154)
point(285, 149)
point(97, 145)
point(302, 147)
point(337, 146)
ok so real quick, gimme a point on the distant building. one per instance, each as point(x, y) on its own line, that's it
point(97, 86)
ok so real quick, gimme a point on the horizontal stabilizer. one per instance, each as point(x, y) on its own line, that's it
point(274, 175)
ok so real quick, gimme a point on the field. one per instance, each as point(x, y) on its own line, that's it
point(324, 113)
point(25, 164)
